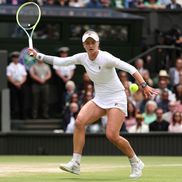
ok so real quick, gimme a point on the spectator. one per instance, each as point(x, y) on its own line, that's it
point(74, 98)
point(129, 3)
point(50, 2)
point(159, 124)
point(163, 75)
point(15, 2)
point(3, 2)
point(64, 74)
point(69, 118)
point(178, 92)
point(149, 114)
point(124, 77)
point(76, 3)
point(174, 72)
point(63, 3)
point(89, 88)
point(179, 2)
point(142, 105)
point(40, 2)
point(164, 101)
point(176, 124)
point(179, 106)
point(139, 64)
point(173, 5)
point(134, 4)
point(164, 2)
point(88, 96)
point(140, 126)
point(130, 119)
point(94, 4)
point(106, 3)
point(137, 98)
point(70, 90)
point(163, 85)
point(17, 76)
point(84, 85)
point(180, 78)
point(40, 74)
point(117, 3)
point(153, 4)
point(172, 108)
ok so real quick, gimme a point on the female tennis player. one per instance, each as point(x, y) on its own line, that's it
point(110, 99)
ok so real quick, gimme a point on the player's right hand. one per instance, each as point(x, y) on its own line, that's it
point(32, 52)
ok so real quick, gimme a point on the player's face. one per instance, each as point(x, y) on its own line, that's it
point(91, 46)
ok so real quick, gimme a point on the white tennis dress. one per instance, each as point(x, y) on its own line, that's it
point(109, 91)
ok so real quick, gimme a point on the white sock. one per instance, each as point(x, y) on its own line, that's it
point(77, 157)
point(134, 159)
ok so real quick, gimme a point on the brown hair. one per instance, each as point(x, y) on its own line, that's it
point(173, 117)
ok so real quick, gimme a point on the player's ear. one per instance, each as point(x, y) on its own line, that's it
point(83, 44)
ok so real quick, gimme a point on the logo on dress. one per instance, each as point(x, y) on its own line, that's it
point(116, 104)
point(99, 67)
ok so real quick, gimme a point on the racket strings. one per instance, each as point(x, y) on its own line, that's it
point(28, 16)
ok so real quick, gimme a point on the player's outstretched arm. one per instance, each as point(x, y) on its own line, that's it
point(147, 90)
point(39, 56)
point(59, 61)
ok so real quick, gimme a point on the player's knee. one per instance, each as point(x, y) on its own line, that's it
point(112, 136)
point(79, 122)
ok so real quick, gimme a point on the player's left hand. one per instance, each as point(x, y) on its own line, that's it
point(150, 92)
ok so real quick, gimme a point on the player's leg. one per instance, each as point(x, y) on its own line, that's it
point(115, 120)
point(114, 123)
point(89, 113)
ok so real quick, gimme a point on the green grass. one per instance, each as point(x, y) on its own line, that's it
point(94, 169)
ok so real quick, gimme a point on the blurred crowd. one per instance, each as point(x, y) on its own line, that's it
point(30, 86)
point(160, 113)
point(151, 4)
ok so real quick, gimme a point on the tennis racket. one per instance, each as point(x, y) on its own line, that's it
point(27, 17)
point(25, 59)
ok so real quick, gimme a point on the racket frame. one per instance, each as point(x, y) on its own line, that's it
point(30, 42)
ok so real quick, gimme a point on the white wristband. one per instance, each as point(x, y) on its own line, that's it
point(39, 56)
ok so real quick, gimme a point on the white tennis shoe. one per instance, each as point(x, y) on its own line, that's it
point(136, 169)
point(72, 167)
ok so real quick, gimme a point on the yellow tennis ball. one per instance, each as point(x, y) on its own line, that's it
point(133, 88)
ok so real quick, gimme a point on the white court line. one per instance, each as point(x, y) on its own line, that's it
point(20, 169)
point(87, 167)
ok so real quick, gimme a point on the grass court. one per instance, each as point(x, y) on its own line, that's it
point(93, 169)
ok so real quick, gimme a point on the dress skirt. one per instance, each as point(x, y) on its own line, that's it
point(114, 100)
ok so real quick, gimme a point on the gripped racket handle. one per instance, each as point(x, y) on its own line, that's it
point(30, 44)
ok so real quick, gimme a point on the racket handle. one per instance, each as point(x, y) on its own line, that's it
point(30, 44)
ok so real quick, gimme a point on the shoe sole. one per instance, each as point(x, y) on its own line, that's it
point(68, 170)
